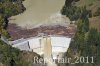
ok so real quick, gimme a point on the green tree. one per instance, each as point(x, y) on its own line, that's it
point(86, 24)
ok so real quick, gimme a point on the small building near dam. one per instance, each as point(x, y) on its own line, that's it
point(47, 46)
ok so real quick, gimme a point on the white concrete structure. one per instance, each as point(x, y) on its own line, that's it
point(51, 47)
point(59, 44)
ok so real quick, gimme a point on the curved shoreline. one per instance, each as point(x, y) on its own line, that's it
point(39, 13)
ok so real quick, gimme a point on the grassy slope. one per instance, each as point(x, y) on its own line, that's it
point(92, 5)
point(95, 22)
point(86, 2)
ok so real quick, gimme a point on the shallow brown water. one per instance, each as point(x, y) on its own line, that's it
point(38, 12)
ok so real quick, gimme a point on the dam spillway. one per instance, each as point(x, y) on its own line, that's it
point(48, 47)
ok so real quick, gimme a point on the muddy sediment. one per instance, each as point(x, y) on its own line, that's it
point(17, 32)
point(37, 12)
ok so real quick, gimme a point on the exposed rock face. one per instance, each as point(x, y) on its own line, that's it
point(17, 32)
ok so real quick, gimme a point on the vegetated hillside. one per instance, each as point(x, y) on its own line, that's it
point(94, 6)
point(86, 42)
point(9, 8)
point(74, 8)
point(13, 57)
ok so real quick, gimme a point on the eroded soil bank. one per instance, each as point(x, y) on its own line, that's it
point(17, 32)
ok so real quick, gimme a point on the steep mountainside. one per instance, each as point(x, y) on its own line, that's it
point(86, 42)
